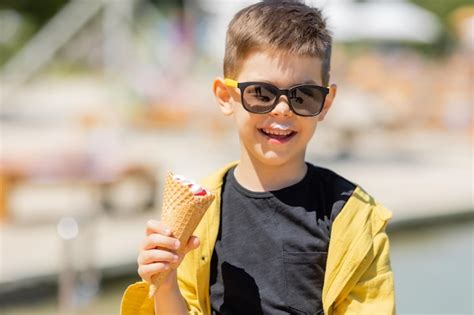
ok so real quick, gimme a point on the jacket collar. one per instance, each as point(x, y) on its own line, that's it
point(215, 180)
point(211, 220)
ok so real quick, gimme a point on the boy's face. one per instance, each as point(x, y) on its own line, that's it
point(280, 136)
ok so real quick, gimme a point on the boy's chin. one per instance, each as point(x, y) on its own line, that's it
point(272, 158)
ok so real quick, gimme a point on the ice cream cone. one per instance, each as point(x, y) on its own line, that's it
point(181, 211)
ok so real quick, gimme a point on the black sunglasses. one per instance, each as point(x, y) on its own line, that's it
point(261, 97)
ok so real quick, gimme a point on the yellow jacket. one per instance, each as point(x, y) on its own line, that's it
point(358, 278)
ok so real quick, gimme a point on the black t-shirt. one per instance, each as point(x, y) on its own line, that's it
point(271, 249)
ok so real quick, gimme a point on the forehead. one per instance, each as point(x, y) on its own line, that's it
point(279, 68)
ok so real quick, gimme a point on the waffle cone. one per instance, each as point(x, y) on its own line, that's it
point(182, 212)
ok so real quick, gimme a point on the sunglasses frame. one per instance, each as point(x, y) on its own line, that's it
point(243, 85)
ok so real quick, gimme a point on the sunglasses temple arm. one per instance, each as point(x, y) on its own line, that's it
point(231, 83)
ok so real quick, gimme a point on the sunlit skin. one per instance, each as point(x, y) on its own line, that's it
point(265, 163)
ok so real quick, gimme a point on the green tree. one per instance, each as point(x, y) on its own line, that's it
point(37, 12)
point(442, 9)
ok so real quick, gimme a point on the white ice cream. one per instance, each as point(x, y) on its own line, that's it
point(195, 188)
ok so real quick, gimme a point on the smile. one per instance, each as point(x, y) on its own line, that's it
point(276, 135)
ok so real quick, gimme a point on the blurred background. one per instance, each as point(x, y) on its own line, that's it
point(100, 98)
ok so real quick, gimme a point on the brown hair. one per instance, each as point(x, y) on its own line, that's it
point(290, 26)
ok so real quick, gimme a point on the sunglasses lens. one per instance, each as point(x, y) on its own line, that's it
point(259, 98)
point(307, 100)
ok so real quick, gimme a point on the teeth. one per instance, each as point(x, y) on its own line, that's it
point(277, 132)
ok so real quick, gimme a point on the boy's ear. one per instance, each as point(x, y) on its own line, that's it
point(328, 102)
point(223, 97)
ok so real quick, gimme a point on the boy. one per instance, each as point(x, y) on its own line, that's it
point(283, 236)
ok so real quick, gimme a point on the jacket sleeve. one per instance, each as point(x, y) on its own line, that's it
point(373, 293)
point(135, 300)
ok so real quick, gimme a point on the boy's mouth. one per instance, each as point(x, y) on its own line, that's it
point(279, 136)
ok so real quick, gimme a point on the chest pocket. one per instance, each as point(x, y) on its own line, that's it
point(304, 275)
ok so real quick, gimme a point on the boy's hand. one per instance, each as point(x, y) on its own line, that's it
point(158, 251)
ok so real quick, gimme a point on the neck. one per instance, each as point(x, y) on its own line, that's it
point(257, 176)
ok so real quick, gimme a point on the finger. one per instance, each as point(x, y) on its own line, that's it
point(146, 272)
point(193, 243)
point(154, 226)
point(156, 255)
point(153, 241)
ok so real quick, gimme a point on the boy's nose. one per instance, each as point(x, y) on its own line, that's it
point(282, 108)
